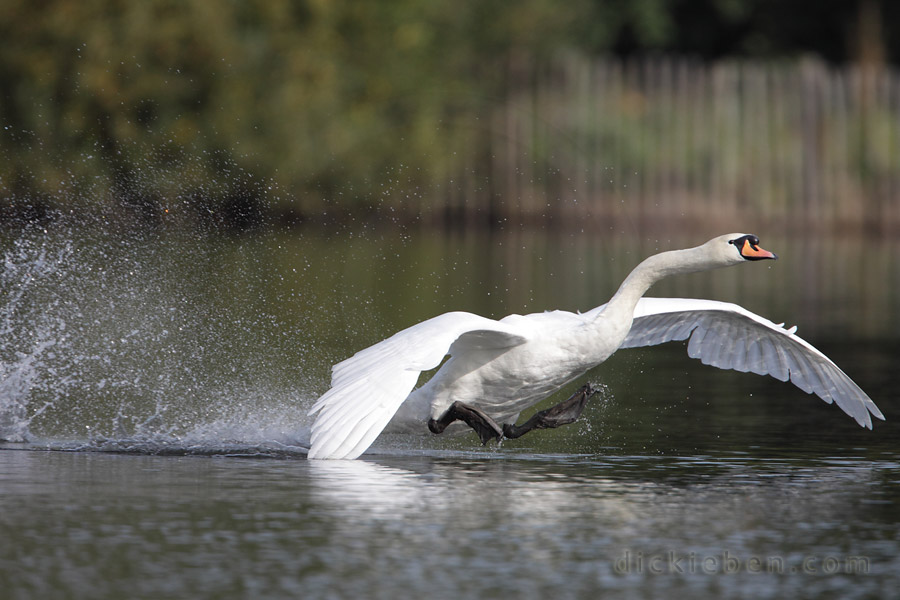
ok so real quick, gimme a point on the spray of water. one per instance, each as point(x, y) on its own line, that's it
point(144, 342)
point(30, 334)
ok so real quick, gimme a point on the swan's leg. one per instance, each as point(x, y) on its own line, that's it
point(486, 428)
point(563, 413)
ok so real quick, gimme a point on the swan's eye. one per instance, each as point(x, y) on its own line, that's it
point(743, 240)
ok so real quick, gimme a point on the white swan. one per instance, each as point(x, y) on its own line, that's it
point(497, 369)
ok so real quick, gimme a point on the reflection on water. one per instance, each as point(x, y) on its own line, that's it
point(448, 524)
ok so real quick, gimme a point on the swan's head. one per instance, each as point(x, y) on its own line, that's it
point(735, 248)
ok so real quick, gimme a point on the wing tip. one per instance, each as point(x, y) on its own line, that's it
point(344, 444)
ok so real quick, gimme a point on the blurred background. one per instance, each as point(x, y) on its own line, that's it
point(466, 113)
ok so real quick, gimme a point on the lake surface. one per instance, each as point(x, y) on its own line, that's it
point(154, 390)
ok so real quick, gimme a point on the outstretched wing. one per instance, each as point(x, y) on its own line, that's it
point(727, 336)
point(369, 387)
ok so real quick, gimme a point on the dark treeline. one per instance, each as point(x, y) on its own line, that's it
point(234, 112)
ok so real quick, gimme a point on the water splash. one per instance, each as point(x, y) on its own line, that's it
point(132, 341)
point(31, 335)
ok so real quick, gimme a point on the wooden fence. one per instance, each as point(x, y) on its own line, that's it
point(676, 142)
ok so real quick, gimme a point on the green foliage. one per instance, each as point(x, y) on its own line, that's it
point(222, 111)
point(164, 104)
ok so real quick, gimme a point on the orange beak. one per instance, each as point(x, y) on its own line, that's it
point(751, 252)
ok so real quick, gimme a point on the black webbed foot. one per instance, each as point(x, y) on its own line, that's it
point(563, 413)
point(486, 428)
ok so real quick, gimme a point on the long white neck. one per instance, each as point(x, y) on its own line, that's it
point(651, 270)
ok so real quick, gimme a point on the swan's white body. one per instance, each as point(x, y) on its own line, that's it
point(503, 367)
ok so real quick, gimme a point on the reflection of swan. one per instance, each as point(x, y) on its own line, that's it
point(459, 493)
point(499, 368)
point(366, 488)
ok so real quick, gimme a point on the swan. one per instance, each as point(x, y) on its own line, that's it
point(497, 369)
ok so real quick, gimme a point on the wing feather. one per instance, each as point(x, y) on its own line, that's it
point(727, 336)
point(369, 387)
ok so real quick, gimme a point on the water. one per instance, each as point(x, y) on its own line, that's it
point(448, 524)
point(154, 391)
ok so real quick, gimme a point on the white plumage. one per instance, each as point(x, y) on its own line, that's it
point(503, 367)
